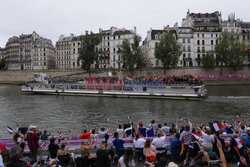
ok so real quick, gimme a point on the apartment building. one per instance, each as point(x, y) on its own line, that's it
point(43, 54)
point(110, 46)
point(151, 42)
point(64, 52)
point(19, 52)
point(198, 36)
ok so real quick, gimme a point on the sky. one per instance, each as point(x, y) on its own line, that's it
point(52, 18)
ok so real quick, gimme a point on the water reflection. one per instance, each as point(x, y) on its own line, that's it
point(75, 112)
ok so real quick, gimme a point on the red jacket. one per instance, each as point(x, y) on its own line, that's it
point(85, 136)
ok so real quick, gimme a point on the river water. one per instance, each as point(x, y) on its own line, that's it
point(74, 113)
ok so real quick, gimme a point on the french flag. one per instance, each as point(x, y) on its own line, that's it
point(107, 119)
point(216, 126)
point(10, 130)
point(238, 116)
point(239, 144)
point(197, 135)
point(181, 118)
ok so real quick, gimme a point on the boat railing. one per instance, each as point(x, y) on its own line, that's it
point(118, 87)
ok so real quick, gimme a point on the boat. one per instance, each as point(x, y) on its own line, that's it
point(123, 88)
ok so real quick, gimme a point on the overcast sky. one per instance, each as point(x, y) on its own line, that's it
point(51, 18)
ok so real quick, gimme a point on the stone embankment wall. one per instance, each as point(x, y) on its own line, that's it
point(19, 77)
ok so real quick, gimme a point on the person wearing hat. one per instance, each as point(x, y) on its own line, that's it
point(33, 137)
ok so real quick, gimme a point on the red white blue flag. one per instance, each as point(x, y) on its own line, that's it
point(10, 130)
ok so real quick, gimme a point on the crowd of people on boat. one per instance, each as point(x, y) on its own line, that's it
point(217, 144)
point(144, 80)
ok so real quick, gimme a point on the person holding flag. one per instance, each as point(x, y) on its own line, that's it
point(208, 138)
point(186, 138)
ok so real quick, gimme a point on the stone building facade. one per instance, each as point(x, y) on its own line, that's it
point(64, 54)
point(110, 46)
point(19, 52)
point(150, 43)
point(198, 36)
point(43, 54)
point(109, 49)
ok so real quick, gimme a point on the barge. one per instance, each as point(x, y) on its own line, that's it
point(123, 89)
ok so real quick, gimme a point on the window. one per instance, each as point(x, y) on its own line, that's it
point(183, 40)
point(198, 49)
point(189, 50)
point(212, 35)
point(188, 40)
point(119, 37)
point(73, 44)
point(183, 48)
point(108, 38)
point(108, 43)
point(198, 35)
point(212, 42)
point(157, 62)
point(114, 58)
point(156, 44)
point(114, 37)
point(203, 49)
point(198, 42)
point(203, 42)
point(198, 56)
point(203, 35)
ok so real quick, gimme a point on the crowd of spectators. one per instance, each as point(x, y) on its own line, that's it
point(192, 145)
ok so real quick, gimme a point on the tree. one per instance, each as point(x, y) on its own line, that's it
point(168, 51)
point(88, 53)
point(208, 61)
point(2, 64)
point(236, 56)
point(132, 55)
point(230, 52)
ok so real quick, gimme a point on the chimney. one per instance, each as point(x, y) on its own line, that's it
point(86, 32)
point(61, 37)
point(135, 29)
point(100, 30)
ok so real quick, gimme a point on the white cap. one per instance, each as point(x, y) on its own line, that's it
point(32, 127)
point(248, 128)
point(171, 164)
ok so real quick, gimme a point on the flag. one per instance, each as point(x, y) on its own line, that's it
point(181, 118)
point(117, 121)
point(240, 124)
point(238, 116)
point(107, 119)
point(197, 135)
point(168, 119)
point(182, 147)
point(10, 130)
point(217, 126)
point(129, 78)
point(239, 144)
point(128, 117)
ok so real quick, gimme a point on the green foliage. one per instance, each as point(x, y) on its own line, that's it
point(88, 53)
point(236, 56)
point(2, 64)
point(208, 61)
point(230, 52)
point(132, 55)
point(168, 51)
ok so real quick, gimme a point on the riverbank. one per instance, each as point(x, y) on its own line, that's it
point(20, 77)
